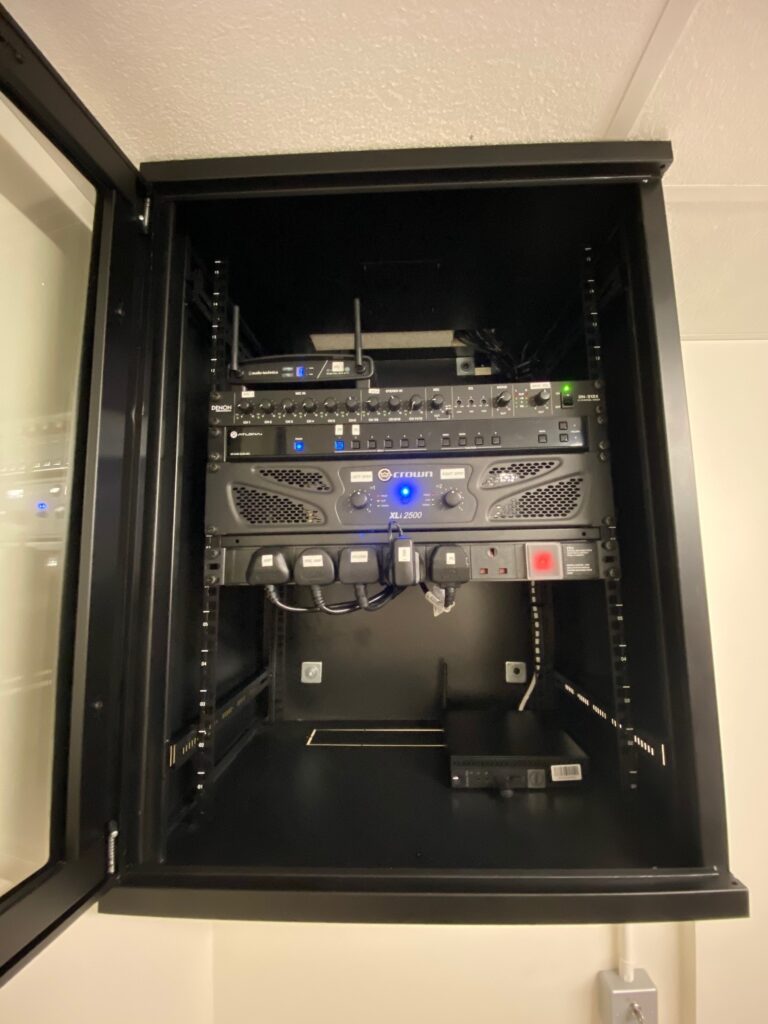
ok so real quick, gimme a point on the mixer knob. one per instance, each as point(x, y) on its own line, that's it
point(452, 498)
point(289, 407)
point(351, 403)
point(267, 407)
point(245, 407)
point(542, 397)
point(330, 405)
point(437, 401)
point(415, 402)
point(358, 499)
point(393, 402)
point(372, 404)
point(310, 406)
point(503, 399)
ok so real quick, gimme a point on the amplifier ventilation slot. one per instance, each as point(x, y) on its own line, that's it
point(263, 508)
point(510, 472)
point(552, 501)
point(301, 479)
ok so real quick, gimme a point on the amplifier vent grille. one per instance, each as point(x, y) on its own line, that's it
point(510, 472)
point(301, 479)
point(552, 501)
point(263, 508)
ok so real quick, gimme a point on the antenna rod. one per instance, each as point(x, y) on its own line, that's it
point(235, 338)
point(359, 364)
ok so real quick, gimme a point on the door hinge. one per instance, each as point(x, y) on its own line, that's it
point(144, 215)
point(112, 833)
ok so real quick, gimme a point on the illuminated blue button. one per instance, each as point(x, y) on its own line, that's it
point(300, 371)
point(405, 492)
point(338, 444)
point(298, 446)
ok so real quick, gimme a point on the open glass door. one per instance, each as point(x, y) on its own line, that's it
point(70, 369)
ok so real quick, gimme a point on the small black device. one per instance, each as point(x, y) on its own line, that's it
point(509, 751)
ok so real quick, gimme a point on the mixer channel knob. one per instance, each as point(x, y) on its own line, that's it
point(351, 403)
point(415, 402)
point(503, 399)
point(245, 407)
point(330, 405)
point(372, 404)
point(437, 401)
point(267, 407)
point(289, 407)
point(310, 406)
point(542, 397)
point(358, 499)
point(393, 403)
point(452, 498)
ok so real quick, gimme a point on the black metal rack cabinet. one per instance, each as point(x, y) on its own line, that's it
point(109, 844)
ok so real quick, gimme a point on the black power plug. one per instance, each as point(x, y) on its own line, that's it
point(450, 564)
point(359, 565)
point(268, 566)
point(314, 567)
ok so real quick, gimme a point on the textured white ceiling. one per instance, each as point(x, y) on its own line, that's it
point(186, 78)
point(711, 99)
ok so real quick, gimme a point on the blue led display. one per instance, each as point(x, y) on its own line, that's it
point(338, 444)
point(298, 446)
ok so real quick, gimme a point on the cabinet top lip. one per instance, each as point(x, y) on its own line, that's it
point(605, 161)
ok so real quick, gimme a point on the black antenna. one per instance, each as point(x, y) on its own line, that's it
point(235, 339)
point(359, 364)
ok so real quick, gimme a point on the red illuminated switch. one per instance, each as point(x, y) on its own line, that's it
point(544, 561)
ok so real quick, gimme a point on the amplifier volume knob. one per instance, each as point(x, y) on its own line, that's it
point(267, 407)
point(437, 401)
point(503, 399)
point(245, 407)
point(415, 402)
point(452, 498)
point(310, 406)
point(372, 404)
point(393, 402)
point(358, 499)
point(289, 407)
point(542, 397)
point(351, 403)
point(330, 405)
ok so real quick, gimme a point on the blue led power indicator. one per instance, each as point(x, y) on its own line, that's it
point(300, 371)
point(42, 506)
point(298, 445)
point(406, 491)
point(338, 444)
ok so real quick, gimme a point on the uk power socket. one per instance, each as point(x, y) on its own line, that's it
point(627, 1002)
point(495, 562)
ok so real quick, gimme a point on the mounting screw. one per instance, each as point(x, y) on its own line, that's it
point(613, 574)
point(603, 456)
point(608, 521)
point(603, 445)
point(215, 394)
point(211, 529)
point(609, 545)
point(210, 580)
point(213, 468)
point(213, 553)
point(216, 456)
point(215, 431)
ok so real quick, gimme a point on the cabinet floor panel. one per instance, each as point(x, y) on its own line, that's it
point(285, 804)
